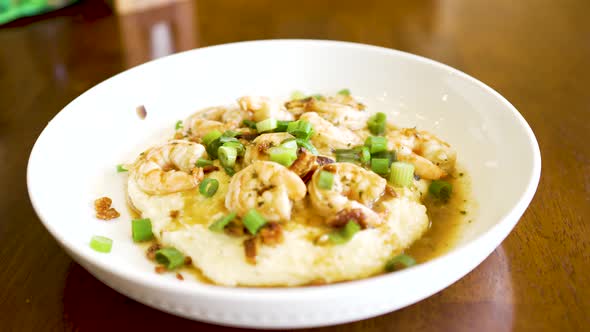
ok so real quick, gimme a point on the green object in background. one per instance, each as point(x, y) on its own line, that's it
point(13, 9)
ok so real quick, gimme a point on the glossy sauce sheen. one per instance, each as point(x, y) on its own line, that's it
point(446, 219)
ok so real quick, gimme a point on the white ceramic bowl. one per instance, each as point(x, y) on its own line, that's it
point(73, 162)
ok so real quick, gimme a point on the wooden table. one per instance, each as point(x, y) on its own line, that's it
point(534, 52)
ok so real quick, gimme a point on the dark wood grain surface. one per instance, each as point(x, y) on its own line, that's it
point(534, 52)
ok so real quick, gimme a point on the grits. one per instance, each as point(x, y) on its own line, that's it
point(298, 260)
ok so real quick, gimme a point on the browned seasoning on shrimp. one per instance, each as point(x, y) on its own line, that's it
point(344, 216)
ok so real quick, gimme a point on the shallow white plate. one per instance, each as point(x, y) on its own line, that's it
point(73, 162)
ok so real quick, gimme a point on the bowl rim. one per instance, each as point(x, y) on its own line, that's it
point(277, 293)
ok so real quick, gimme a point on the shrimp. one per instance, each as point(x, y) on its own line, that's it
point(215, 118)
point(258, 150)
point(267, 187)
point(432, 157)
point(327, 136)
point(353, 189)
point(262, 108)
point(342, 111)
point(168, 168)
point(341, 115)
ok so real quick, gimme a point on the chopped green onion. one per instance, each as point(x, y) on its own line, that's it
point(377, 123)
point(141, 230)
point(267, 125)
point(253, 221)
point(289, 143)
point(213, 147)
point(440, 189)
point(101, 244)
point(208, 187)
point(121, 168)
point(282, 126)
point(227, 155)
point(230, 133)
point(346, 155)
point(249, 123)
point(203, 162)
point(282, 155)
point(376, 144)
point(220, 223)
point(402, 259)
point(240, 149)
point(318, 96)
point(344, 92)
point(344, 234)
point(170, 258)
point(211, 136)
point(229, 171)
point(296, 95)
point(380, 165)
point(402, 174)
point(325, 180)
point(300, 129)
point(178, 125)
point(391, 155)
point(307, 145)
point(364, 154)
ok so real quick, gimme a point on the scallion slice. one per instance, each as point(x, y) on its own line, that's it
point(289, 143)
point(170, 257)
point(391, 155)
point(344, 234)
point(121, 168)
point(317, 96)
point(267, 125)
point(249, 123)
point(240, 149)
point(203, 162)
point(376, 123)
point(208, 187)
point(380, 165)
point(347, 155)
point(229, 171)
point(253, 221)
point(211, 136)
point(141, 230)
point(220, 223)
point(231, 133)
point(325, 180)
point(227, 155)
point(296, 95)
point(402, 174)
point(282, 155)
point(398, 261)
point(282, 126)
point(101, 244)
point(213, 147)
point(300, 129)
point(307, 145)
point(376, 144)
point(440, 189)
point(364, 154)
point(344, 92)
point(178, 125)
